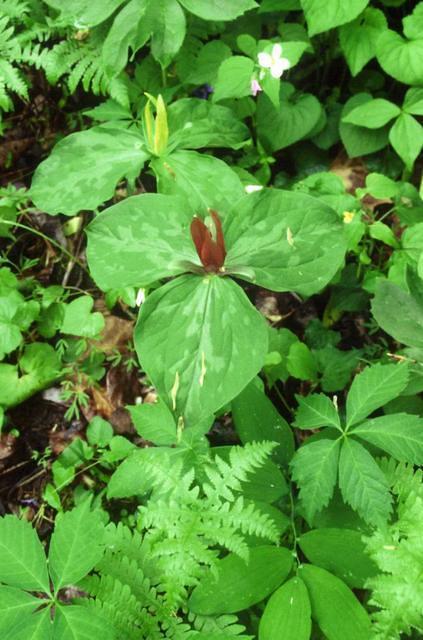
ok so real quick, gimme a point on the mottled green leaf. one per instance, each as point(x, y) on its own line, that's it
point(200, 341)
point(140, 240)
point(203, 181)
point(284, 241)
point(83, 169)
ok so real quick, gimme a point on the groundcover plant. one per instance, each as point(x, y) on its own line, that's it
point(211, 319)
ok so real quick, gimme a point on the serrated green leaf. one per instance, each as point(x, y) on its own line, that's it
point(400, 434)
point(336, 12)
point(23, 559)
point(362, 483)
point(122, 35)
point(81, 623)
point(316, 410)
point(14, 605)
point(99, 432)
point(287, 614)
point(256, 419)
point(218, 9)
point(372, 114)
point(284, 241)
point(202, 181)
point(358, 38)
point(196, 123)
point(149, 234)
point(182, 339)
point(340, 551)
point(76, 545)
point(400, 58)
point(315, 469)
point(334, 606)
point(372, 388)
point(406, 137)
point(83, 169)
point(239, 584)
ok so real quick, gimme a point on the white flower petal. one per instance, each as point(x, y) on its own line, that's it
point(278, 67)
point(265, 59)
point(276, 51)
point(286, 64)
point(251, 188)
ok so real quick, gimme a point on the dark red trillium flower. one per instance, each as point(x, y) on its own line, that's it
point(210, 247)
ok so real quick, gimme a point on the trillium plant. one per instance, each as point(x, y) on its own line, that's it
point(198, 337)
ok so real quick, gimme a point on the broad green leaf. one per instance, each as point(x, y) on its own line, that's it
point(135, 475)
point(362, 483)
point(203, 181)
point(218, 9)
point(196, 123)
point(315, 469)
point(80, 320)
point(400, 58)
point(316, 410)
point(154, 422)
point(301, 363)
point(39, 366)
point(358, 38)
point(372, 388)
point(37, 626)
point(413, 24)
point(340, 551)
point(168, 27)
point(84, 13)
point(10, 335)
point(210, 57)
point(239, 584)
point(334, 606)
point(256, 419)
point(76, 545)
point(193, 346)
point(295, 119)
point(399, 313)
point(23, 562)
point(359, 141)
point(284, 241)
point(413, 101)
point(373, 114)
point(122, 35)
point(234, 78)
point(287, 614)
point(83, 169)
point(14, 605)
point(333, 14)
point(99, 432)
point(406, 137)
point(400, 434)
point(76, 622)
point(140, 240)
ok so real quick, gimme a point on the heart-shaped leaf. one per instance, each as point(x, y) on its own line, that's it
point(200, 341)
point(79, 320)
